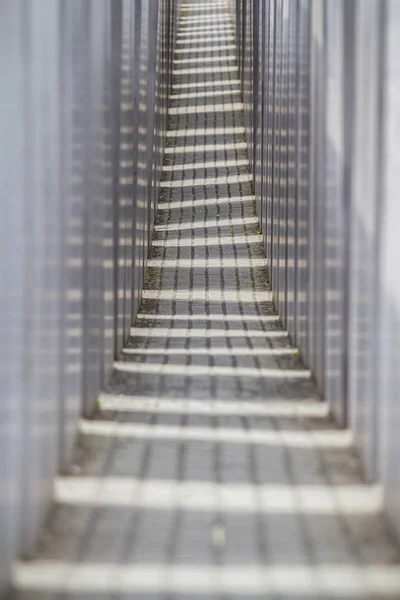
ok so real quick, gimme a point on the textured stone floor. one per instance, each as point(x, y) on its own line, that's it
point(211, 470)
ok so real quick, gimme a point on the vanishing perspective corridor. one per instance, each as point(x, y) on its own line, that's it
point(211, 470)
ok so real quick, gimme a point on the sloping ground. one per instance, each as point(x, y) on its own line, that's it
point(211, 469)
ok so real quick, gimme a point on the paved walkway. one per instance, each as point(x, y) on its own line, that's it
point(211, 471)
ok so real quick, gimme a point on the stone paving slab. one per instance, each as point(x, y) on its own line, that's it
point(211, 469)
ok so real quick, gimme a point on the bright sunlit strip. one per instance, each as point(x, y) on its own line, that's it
point(207, 18)
point(203, 202)
point(207, 30)
point(206, 108)
point(209, 263)
point(207, 371)
point(267, 408)
point(323, 580)
point(210, 164)
point(216, 37)
point(200, 27)
point(194, 332)
point(205, 70)
point(213, 94)
point(206, 131)
point(233, 352)
point(331, 438)
point(207, 181)
point(205, 50)
point(209, 496)
point(206, 148)
point(202, 5)
point(209, 241)
point(232, 83)
point(205, 84)
point(208, 223)
point(202, 59)
point(217, 318)
point(207, 295)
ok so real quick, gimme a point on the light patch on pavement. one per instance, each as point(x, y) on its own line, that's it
point(200, 333)
point(209, 241)
point(208, 496)
point(210, 164)
point(207, 263)
point(335, 439)
point(204, 71)
point(212, 130)
point(303, 581)
point(206, 108)
point(206, 148)
point(209, 38)
point(233, 352)
point(202, 59)
point(296, 409)
point(207, 224)
point(210, 31)
point(210, 371)
point(209, 94)
point(205, 50)
point(207, 181)
point(179, 204)
point(216, 318)
point(208, 295)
